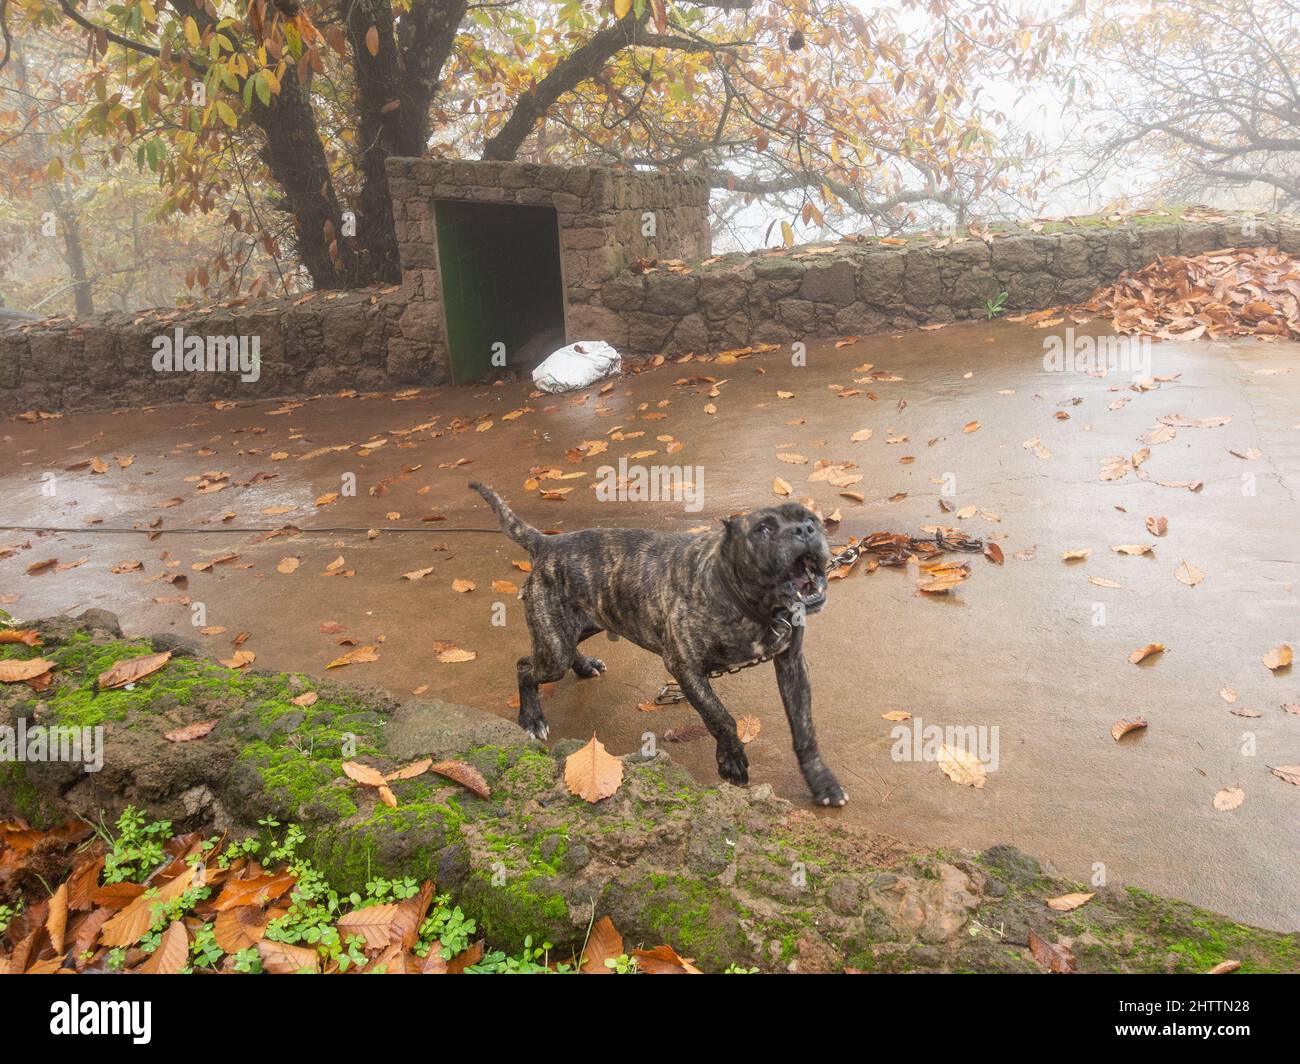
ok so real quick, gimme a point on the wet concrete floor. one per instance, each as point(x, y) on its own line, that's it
point(1032, 652)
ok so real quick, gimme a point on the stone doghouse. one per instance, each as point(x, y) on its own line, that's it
point(503, 262)
point(497, 257)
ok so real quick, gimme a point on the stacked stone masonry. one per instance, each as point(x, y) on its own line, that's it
point(388, 338)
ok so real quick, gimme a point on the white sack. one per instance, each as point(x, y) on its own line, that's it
point(577, 366)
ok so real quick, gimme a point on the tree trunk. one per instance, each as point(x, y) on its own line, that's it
point(379, 104)
point(395, 87)
point(295, 156)
point(426, 36)
point(75, 254)
point(65, 211)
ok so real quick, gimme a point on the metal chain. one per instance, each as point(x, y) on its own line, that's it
point(672, 693)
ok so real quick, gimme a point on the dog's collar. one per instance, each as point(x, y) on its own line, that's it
point(782, 626)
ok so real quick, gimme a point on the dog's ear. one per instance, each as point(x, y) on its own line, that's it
point(734, 526)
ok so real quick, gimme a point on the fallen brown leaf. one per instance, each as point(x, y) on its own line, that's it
point(18, 671)
point(190, 732)
point(961, 766)
point(281, 958)
point(604, 943)
point(663, 960)
point(364, 774)
point(1122, 727)
point(466, 775)
point(171, 955)
point(132, 670)
point(356, 656)
point(1142, 653)
point(239, 659)
point(1052, 956)
point(1279, 657)
point(592, 773)
point(1069, 902)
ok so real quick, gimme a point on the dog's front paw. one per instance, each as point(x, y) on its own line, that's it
point(831, 793)
point(535, 726)
point(825, 787)
point(834, 795)
point(733, 765)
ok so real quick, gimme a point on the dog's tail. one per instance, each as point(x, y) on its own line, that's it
point(521, 532)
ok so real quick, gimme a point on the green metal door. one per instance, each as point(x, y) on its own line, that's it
point(471, 291)
point(501, 281)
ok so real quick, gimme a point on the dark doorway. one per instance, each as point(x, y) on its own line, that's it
point(501, 284)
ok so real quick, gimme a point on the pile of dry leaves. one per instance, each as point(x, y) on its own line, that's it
point(1246, 292)
point(193, 910)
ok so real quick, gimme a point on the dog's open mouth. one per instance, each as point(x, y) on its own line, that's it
point(809, 583)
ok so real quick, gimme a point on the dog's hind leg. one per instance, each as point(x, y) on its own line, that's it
point(554, 642)
point(584, 666)
point(531, 717)
point(733, 765)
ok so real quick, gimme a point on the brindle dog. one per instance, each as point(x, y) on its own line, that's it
point(701, 602)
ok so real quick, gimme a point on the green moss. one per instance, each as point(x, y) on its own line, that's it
point(532, 773)
point(21, 797)
point(548, 854)
point(292, 780)
point(1177, 937)
point(293, 751)
point(74, 699)
point(862, 960)
point(509, 908)
point(1170, 216)
point(79, 662)
point(698, 920)
point(407, 841)
point(789, 946)
point(1136, 931)
point(810, 847)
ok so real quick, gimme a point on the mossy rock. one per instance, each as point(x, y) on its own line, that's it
point(724, 875)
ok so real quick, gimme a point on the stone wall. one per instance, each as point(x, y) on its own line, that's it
point(859, 289)
point(328, 342)
point(391, 337)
